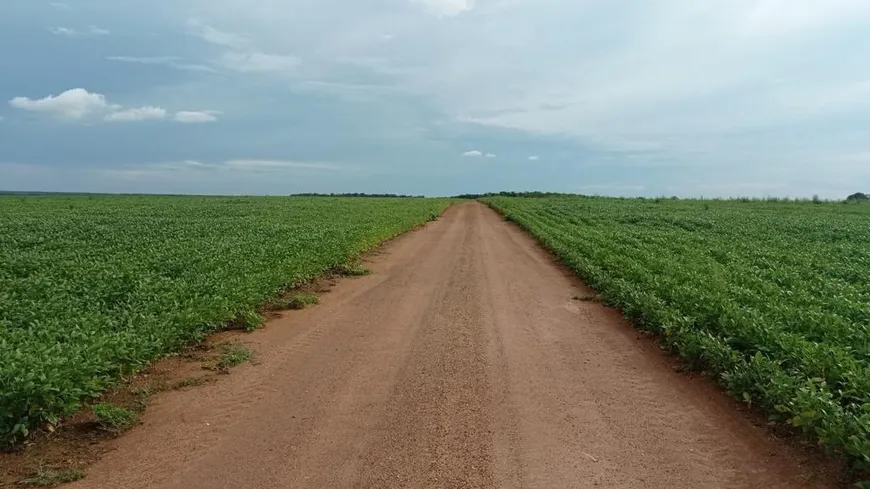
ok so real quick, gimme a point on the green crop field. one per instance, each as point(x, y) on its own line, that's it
point(773, 298)
point(95, 287)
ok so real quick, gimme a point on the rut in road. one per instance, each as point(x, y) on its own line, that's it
point(461, 362)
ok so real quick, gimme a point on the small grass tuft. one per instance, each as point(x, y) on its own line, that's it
point(351, 270)
point(249, 320)
point(143, 395)
point(293, 300)
point(114, 419)
point(301, 300)
point(232, 354)
point(52, 477)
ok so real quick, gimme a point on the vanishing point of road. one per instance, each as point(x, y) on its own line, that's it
point(462, 361)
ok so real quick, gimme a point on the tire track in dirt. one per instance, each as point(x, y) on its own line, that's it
point(461, 362)
point(435, 427)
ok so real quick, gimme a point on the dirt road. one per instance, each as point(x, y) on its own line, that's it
point(461, 362)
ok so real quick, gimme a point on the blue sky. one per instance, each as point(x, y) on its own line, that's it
point(436, 97)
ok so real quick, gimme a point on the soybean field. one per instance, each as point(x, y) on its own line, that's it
point(93, 288)
point(770, 297)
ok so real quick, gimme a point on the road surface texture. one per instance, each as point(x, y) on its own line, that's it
point(462, 361)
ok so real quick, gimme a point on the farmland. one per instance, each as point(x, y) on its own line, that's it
point(771, 298)
point(94, 287)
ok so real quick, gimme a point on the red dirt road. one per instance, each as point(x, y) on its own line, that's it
point(462, 361)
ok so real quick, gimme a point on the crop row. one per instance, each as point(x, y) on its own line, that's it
point(94, 288)
point(773, 299)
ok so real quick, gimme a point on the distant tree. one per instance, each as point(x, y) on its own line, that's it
point(357, 194)
point(858, 197)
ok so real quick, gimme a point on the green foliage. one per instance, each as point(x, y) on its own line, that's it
point(93, 288)
point(292, 300)
point(772, 297)
point(113, 418)
point(301, 300)
point(249, 320)
point(232, 355)
point(350, 270)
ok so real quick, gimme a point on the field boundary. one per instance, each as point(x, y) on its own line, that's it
point(79, 439)
point(245, 317)
point(846, 465)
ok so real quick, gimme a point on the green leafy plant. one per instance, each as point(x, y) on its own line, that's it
point(231, 355)
point(113, 418)
point(769, 296)
point(351, 270)
point(293, 300)
point(94, 288)
point(301, 300)
point(249, 320)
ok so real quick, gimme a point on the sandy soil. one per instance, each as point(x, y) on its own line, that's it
point(462, 361)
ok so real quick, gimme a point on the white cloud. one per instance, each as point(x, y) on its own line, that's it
point(446, 8)
point(59, 5)
point(70, 32)
point(784, 17)
point(145, 60)
point(534, 158)
point(175, 177)
point(170, 61)
point(241, 53)
point(193, 164)
point(62, 31)
point(134, 115)
point(678, 81)
point(77, 103)
point(257, 62)
point(276, 165)
point(215, 36)
point(756, 67)
point(196, 117)
point(236, 167)
point(478, 154)
point(159, 170)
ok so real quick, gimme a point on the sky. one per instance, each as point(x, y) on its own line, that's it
point(436, 97)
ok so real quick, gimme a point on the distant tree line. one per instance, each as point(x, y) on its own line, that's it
point(856, 197)
point(357, 194)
